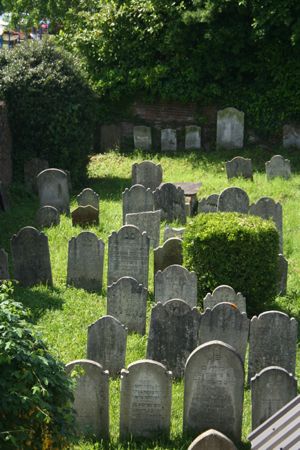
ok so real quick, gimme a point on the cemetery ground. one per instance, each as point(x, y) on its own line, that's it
point(62, 314)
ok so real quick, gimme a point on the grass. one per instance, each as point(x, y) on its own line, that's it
point(62, 314)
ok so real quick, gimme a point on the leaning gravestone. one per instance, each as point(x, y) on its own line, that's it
point(291, 136)
point(91, 398)
point(176, 281)
point(273, 342)
point(230, 128)
point(137, 199)
point(227, 324)
point(192, 137)
point(106, 344)
point(173, 334)
point(214, 390)
point(212, 440)
point(271, 389)
point(85, 262)
point(170, 199)
point(278, 167)
point(4, 274)
point(54, 190)
point(88, 197)
point(47, 216)
point(31, 257)
point(168, 254)
point(168, 140)
point(227, 294)
point(233, 199)
point(173, 232)
point(142, 137)
point(239, 167)
point(85, 216)
point(128, 255)
point(146, 396)
point(127, 302)
point(148, 221)
point(32, 168)
point(147, 174)
point(208, 204)
point(283, 266)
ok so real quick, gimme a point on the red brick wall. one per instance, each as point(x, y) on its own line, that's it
point(5, 147)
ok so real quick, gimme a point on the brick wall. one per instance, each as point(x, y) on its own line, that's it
point(5, 147)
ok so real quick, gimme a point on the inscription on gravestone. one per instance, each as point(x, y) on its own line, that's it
point(176, 281)
point(147, 173)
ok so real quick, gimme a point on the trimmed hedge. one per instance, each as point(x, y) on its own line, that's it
point(234, 249)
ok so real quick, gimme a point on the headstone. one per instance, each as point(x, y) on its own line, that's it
point(168, 140)
point(278, 167)
point(4, 273)
point(190, 190)
point(192, 137)
point(176, 281)
point(91, 398)
point(173, 232)
point(214, 390)
point(173, 334)
point(212, 440)
point(271, 389)
point(106, 344)
point(148, 221)
point(282, 274)
point(273, 342)
point(88, 197)
point(31, 257)
point(128, 255)
point(147, 173)
point(233, 199)
point(170, 199)
point(85, 262)
point(146, 395)
point(127, 302)
point(54, 190)
point(227, 324)
point(168, 254)
point(85, 216)
point(230, 128)
point(142, 137)
point(208, 204)
point(291, 136)
point(110, 137)
point(32, 168)
point(47, 216)
point(137, 199)
point(227, 294)
point(239, 167)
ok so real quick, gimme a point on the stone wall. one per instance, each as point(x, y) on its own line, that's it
point(5, 147)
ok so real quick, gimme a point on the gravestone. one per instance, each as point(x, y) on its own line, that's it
point(32, 168)
point(168, 254)
point(208, 204)
point(291, 136)
point(53, 189)
point(233, 199)
point(128, 255)
point(168, 140)
point(142, 137)
point(272, 342)
point(127, 302)
point(85, 216)
point(190, 190)
point(170, 199)
point(173, 334)
point(239, 167)
point(173, 232)
point(176, 281)
point(148, 221)
point(85, 262)
point(227, 294)
point(271, 389)
point(283, 266)
point(147, 173)
point(224, 322)
point(146, 395)
point(192, 137)
point(88, 197)
point(214, 390)
point(137, 199)
point(47, 216)
point(278, 167)
point(230, 128)
point(31, 257)
point(4, 273)
point(91, 398)
point(212, 440)
point(106, 344)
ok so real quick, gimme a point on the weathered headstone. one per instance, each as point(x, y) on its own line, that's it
point(233, 199)
point(127, 302)
point(168, 254)
point(32, 168)
point(214, 390)
point(88, 197)
point(212, 440)
point(192, 137)
point(128, 255)
point(227, 294)
point(148, 221)
point(291, 136)
point(173, 334)
point(146, 396)
point(271, 389)
point(85, 262)
point(47, 216)
point(91, 398)
point(168, 140)
point(54, 190)
point(176, 281)
point(239, 167)
point(190, 190)
point(106, 344)
point(230, 128)
point(137, 199)
point(273, 342)
point(278, 167)
point(170, 199)
point(4, 273)
point(208, 204)
point(283, 266)
point(85, 216)
point(142, 137)
point(31, 257)
point(173, 232)
point(147, 173)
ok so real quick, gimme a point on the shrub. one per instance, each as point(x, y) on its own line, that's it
point(234, 249)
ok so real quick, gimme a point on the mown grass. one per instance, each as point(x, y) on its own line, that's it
point(62, 314)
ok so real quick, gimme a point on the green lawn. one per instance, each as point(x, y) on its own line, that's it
point(62, 314)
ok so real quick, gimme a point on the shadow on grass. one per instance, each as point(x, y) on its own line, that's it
point(110, 188)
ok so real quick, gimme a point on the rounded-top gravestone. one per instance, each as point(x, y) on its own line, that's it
point(54, 190)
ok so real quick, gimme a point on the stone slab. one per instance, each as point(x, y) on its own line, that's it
point(148, 221)
point(168, 254)
point(168, 140)
point(53, 189)
point(239, 167)
point(47, 216)
point(142, 137)
point(278, 167)
point(225, 293)
point(148, 174)
point(137, 199)
point(85, 216)
point(192, 137)
point(176, 281)
point(171, 201)
point(230, 128)
point(88, 197)
point(233, 199)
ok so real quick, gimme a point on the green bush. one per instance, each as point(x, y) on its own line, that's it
point(234, 249)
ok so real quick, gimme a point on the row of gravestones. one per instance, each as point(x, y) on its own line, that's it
point(242, 167)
